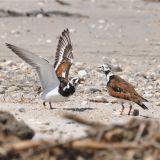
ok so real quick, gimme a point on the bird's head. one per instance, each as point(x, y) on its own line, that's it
point(74, 81)
point(104, 68)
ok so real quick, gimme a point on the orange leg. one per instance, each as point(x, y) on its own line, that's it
point(122, 108)
point(44, 104)
point(50, 105)
point(130, 109)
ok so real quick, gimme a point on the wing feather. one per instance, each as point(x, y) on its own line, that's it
point(64, 55)
point(45, 70)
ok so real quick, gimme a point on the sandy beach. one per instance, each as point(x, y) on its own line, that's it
point(124, 33)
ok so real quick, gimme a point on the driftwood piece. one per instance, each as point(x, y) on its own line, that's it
point(137, 138)
point(9, 126)
point(63, 3)
point(151, 1)
point(35, 13)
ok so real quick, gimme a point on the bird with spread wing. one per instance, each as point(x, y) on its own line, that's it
point(55, 84)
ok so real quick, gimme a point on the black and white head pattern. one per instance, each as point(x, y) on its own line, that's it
point(104, 68)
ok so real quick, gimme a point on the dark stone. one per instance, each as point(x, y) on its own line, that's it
point(21, 110)
point(135, 112)
point(93, 90)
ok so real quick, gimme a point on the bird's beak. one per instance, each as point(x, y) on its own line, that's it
point(99, 68)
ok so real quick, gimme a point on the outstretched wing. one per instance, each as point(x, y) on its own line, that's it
point(64, 55)
point(45, 70)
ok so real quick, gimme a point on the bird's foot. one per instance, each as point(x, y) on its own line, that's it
point(51, 105)
point(44, 105)
point(121, 113)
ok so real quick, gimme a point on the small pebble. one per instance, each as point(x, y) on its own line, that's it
point(21, 110)
point(157, 94)
point(148, 95)
point(92, 26)
point(100, 99)
point(100, 27)
point(39, 16)
point(71, 30)
point(157, 103)
point(93, 90)
point(10, 63)
point(70, 122)
point(79, 65)
point(114, 61)
point(150, 87)
point(101, 21)
point(83, 74)
point(84, 103)
point(116, 68)
point(47, 123)
point(12, 88)
point(49, 41)
point(135, 112)
point(2, 90)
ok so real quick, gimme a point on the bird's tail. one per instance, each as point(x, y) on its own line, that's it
point(143, 99)
point(142, 105)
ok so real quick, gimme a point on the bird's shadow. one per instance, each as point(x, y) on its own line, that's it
point(140, 115)
point(147, 116)
point(78, 109)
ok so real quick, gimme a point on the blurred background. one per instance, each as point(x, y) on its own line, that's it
point(121, 29)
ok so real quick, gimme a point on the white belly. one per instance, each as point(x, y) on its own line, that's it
point(52, 96)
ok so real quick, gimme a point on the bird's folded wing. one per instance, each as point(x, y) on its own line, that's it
point(45, 70)
point(117, 92)
point(119, 88)
point(122, 83)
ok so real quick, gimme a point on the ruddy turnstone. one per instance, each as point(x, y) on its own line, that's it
point(119, 88)
point(56, 86)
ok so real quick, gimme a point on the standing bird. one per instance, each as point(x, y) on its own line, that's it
point(119, 88)
point(55, 84)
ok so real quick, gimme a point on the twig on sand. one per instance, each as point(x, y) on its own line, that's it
point(63, 3)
